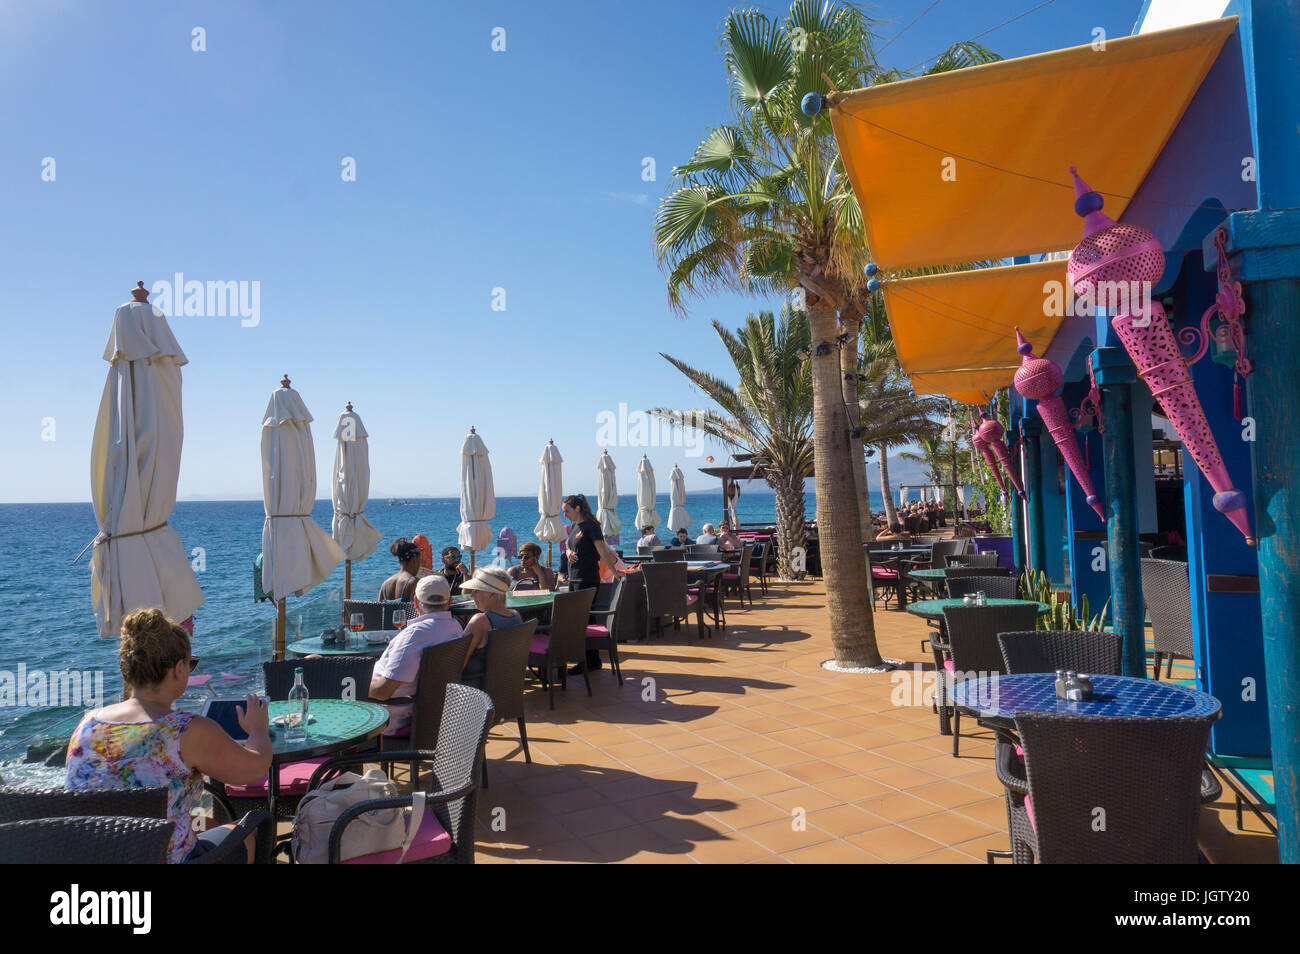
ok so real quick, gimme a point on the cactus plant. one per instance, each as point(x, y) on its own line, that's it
point(1036, 585)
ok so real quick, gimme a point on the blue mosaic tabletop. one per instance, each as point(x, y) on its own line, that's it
point(933, 609)
point(1000, 697)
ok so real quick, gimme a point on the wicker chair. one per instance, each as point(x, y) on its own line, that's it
point(441, 666)
point(946, 548)
point(28, 804)
point(329, 677)
point(379, 615)
point(446, 834)
point(961, 572)
point(739, 581)
point(972, 643)
point(667, 595)
point(1168, 596)
point(86, 840)
point(994, 587)
point(503, 678)
point(703, 551)
point(758, 561)
point(978, 559)
point(1047, 650)
point(885, 572)
point(603, 622)
point(1144, 772)
point(565, 640)
point(524, 586)
point(669, 555)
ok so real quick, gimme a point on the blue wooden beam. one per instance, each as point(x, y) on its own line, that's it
point(1032, 427)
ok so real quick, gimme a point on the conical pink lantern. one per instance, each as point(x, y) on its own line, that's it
point(1040, 379)
point(1129, 258)
point(991, 432)
point(980, 444)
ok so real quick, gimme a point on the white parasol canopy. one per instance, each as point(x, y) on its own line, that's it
point(297, 553)
point(646, 515)
point(550, 497)
point(135, 459)
point(678, 518)
point(354, 534)
point(478, 500)
point(607, 497)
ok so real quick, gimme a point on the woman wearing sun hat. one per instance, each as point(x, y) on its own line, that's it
point(488, 586)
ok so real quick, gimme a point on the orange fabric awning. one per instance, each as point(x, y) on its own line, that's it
point(1006, 134)
point(955, 332)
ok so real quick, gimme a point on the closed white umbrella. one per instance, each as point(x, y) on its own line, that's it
point(646, 515)
point(297, 553)
point(135, 459)
point(678, 518)
point(550, 498)
point(350, 484)
point(478, 501)
point(607, 499)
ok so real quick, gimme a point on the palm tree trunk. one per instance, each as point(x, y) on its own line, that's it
point(853, 634)
point(849, 366)
point(886, 491)
point(790, 519)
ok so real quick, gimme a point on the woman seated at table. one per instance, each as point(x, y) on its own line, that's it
point(142, 743)
point(401, 585)
point(649, 540)
point(891, 532)
point(530, 568)
point(489, 587)
point(726, 539)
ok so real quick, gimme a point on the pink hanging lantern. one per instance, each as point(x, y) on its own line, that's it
point(980, 444)
point(991, 432)
point(1130, 257)
point(1040, 379)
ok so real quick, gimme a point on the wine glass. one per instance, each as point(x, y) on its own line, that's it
point(399, 618)
point(357, 622)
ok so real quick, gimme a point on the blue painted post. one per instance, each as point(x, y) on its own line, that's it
point(1115, 376)
point(1265, 252)
point(1086, 534)
point(1032, 428)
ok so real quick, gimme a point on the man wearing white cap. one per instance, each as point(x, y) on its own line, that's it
point(397, 670)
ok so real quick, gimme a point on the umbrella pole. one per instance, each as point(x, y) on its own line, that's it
point(347, 579)
point(277, 651)
point(471, 562)
point(548, 554)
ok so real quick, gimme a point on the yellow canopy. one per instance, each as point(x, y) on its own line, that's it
point(974, 164)
point(955, 332)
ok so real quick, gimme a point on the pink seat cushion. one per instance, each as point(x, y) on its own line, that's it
point(431, 840)
point(731, 576)
point(293, 780)
point(541, 644)
point(597, 632)
point(402, 733)
point(947, 664)
point(880, 573)
point(1029, 810)
point(692, 600)
point(1020, 754)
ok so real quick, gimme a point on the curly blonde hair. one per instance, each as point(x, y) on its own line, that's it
point(151, 645)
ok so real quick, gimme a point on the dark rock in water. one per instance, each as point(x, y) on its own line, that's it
point(58, 758)
point(42, 749)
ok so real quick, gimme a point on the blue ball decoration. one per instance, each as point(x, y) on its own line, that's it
point(873, 284)
point(871, 269)
point(812, 103)
point(1088, 202)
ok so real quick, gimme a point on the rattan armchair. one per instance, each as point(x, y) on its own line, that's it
point(503, 678)
point(86, 840)
point(602, 626)
point(446, 835)
point(1168, 596)
point(994, 587)
point(1047, 650)
point(565, 640)
point(378, 614)
point(667, 595)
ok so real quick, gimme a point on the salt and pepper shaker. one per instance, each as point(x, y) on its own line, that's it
point(1073, 688)
point(1060, 683)
point(1085, 684)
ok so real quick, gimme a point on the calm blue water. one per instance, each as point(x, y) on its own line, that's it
point(45, 600)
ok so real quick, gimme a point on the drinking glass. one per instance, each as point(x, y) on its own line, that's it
point(399, 618)
point(980, 598)
point(357, 622)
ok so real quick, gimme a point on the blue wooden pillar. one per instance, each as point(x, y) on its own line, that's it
point(1086, 533)
point(1116, 376)
point(1016, 506)
point(1032, 428)
point(1265, 252)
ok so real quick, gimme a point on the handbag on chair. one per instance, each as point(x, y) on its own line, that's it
point(370, 833)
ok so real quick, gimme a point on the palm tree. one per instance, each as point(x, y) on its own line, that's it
point(892, 417)
point(767, 415)
point(763, 206)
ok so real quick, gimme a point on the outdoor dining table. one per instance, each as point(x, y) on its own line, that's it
point(933, 609)
point(522, 601)
point(336, 725)
point(365, 643)
point(997, 699)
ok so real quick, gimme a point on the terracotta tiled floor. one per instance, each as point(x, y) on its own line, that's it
point(742, 749)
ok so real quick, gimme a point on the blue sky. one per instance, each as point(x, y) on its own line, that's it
point(475, 169)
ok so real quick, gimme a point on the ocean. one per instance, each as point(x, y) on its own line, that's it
point(45, 599)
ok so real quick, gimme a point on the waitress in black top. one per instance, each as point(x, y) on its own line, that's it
point(585, 550)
